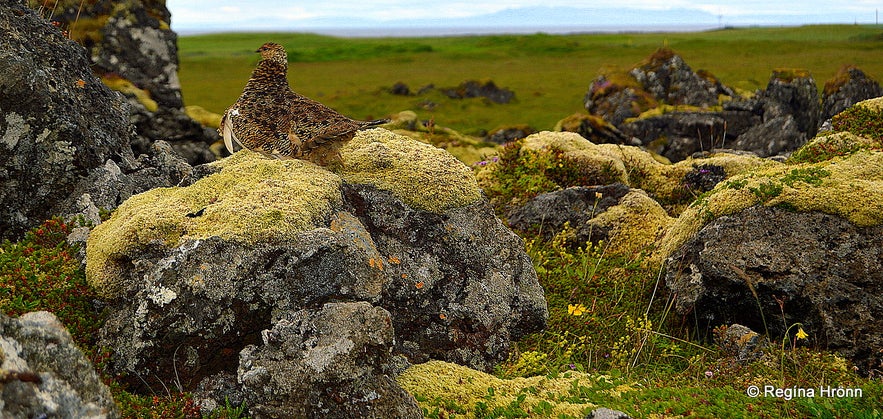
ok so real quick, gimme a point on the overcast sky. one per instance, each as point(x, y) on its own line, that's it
point(229, 15)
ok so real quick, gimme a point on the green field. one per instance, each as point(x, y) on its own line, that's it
point(548, 73)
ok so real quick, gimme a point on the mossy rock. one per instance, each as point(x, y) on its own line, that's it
point(252, 198)
point(469, 150)
point(423, 176)
point(787, 75)
point(126, 87)
point(636, 167)
point(204, 117)
point(849, 186)
point(454, 387)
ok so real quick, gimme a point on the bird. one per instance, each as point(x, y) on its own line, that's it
point(271, 119)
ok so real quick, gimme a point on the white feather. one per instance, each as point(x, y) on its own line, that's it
point(228, 134)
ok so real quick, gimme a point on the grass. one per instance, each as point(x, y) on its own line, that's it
point(548, 73)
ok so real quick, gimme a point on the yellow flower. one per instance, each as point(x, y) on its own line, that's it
point(801, 334)
point(576, 309)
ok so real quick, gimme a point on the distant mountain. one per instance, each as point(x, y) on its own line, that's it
point(551, 19)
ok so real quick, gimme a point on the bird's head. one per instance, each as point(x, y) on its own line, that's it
point(273, 52)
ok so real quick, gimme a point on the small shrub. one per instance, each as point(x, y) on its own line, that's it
point(40, 273)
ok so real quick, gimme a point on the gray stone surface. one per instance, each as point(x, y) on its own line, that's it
point(824, 271)
point(546, 213)
point(44, 374)
point(329, 362)
point(856, 88)
point(65, 137)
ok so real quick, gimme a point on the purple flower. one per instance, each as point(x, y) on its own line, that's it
point(709, 374)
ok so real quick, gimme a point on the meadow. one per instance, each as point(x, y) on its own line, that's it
point(548, 73)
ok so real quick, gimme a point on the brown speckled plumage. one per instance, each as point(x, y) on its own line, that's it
point(271, 119)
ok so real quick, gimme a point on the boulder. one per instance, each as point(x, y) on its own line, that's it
point(61, 129)
point(195, 274)
point(849, 86)
point(504, 135)
point(666, 76)
point(773, 137)
point(333, 361)
point(786, 244)
point(134, 51)
point(793, 92)
point(44, 374)
point(547, 213)
point(400, 89)
point(486, 89)
point(677, 135)
point(769, 268)
point(616, 102)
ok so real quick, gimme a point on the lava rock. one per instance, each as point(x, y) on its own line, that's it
point(44, 374)
point(457, 284)
point(548, 212)
point(850, 86)
point(60, 129)
point(486, 89)
point(812, 268)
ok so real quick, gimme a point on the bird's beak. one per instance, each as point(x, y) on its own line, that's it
point(257, 50)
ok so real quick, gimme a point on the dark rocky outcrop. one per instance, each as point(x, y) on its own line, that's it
point(677, 135)
point(44, 375)
point(61, 129)
point(485, 89)
point(693, 112)
point(400, 89)
point(547, 213)
point(849, 86)
point(816, 269)
point(133, 50)
point(434, 276)
point(506, 134)
point(670, 80)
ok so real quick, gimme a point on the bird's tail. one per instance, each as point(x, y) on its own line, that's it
point(374, 123)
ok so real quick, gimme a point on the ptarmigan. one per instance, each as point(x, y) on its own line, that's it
point(271, 119)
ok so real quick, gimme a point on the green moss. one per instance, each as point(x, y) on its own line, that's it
point(467, 149)
point(126, 87)
point(850, 187)
point(578, 122)
point(87, 29)
point(448, 390)
point(423, 176)
point(251, 199)
point(204, 117)
point(788, 75)
point(634, 225)
point(840, 78)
